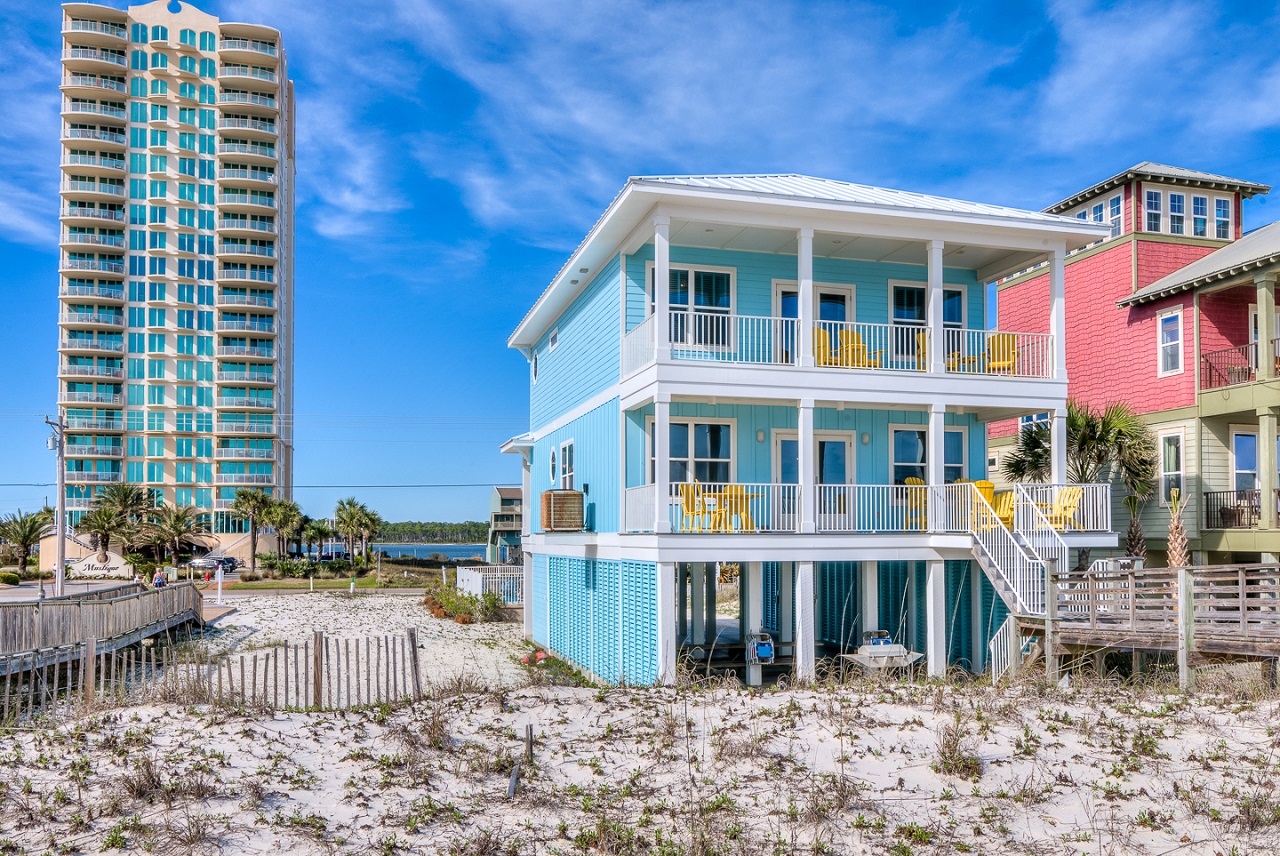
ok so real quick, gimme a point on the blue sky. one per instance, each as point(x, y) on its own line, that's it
point(452, 154)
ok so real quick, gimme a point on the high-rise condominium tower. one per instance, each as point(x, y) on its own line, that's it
point(176, 272)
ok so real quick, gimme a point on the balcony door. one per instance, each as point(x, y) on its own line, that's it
point(1253, 332)
point(701, 306)
point(835, 472)
point(911, 315)
point(832, 303)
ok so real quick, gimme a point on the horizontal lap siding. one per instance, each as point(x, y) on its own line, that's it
point(755, 273)
point(595, 455)
point(586, 358)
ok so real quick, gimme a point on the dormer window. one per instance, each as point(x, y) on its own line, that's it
point(1177, 213)
point(1153, 211)
point(1222, 212)
point(1105, 211)
point(1199, 217)
point(1167, 212)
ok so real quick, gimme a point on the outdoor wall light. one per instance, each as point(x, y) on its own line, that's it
point(759, 435)
point(866, 438)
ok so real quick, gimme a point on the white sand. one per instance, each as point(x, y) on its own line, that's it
point(846, 769)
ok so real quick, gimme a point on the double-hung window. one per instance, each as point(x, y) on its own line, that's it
point(1169, 341)
point(1177, 213)
point(566, 465)
point(701, 303)
point(1199, 217)
point(1222, 218)
point(1244, 460)
point(910, 315)
point(698, 451)
point(1170, 466)
point(1154, 210)
point(910, 455)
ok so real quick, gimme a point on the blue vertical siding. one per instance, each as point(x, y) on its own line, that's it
point(756, 272)
point(993, 610)
point(840, 622)
point(769, 586)
point(959, 614)
point(894, 599)
point(595, 438)
point(600, 615)
point(586, 359)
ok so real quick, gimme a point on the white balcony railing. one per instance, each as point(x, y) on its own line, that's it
point(245, 327)
point(258, 149)
point(80, 451)
point(638, 509)
point(637, 348)
point(89, 398)
point(249, 72)
point(235, 454)
point(245, 300)
point(91, 291)
point(76, 106)
point(116, 241)
point(245, 351)
point(94, 53)
point(94, 160)
point(246, 377)
point(92, 319)
point(96, 134)
point(94, 82)
point(242, 249)
point(724, 338)
point(254, 45)
point(999, 352)
point(234, 402)
point(80, 423)
point(244, 478)
point(247, 98)
point(89, 477)
point(232, 174)
point(95, 265)
point(93, 213)
point(246, 199)
point(244, 223)
point(239, 123)
point(244, 428)
point(859, 345)
point(716, 508)
point(1073, 507)
point(872, 508)
point(92, 345)
point(91, 371)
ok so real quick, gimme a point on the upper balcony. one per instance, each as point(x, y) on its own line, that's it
point(259, 103)
point(95, 60)
point(248, 76)
point(249, 50)
point(93, 85)
point(108, 138)
point(247, 150)
point(91, 32)
point(248, 125)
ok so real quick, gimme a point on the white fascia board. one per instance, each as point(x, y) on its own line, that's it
point(760, 547)
point(871, 389)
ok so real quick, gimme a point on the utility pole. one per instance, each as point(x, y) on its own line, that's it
point(58, 444)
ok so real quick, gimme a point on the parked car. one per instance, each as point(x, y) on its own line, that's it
point(227, 563)
point(204, 563)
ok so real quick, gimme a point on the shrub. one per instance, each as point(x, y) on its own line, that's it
point(337, 566)
point(292, 567)
point(141, 564)
point(9, 579)
point(455, 602)
point(488, 607)
point(957, 751)
point(250, 577)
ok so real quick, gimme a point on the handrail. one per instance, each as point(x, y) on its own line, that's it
point(1041, 538)
point(1021, 572)
point(29, 625)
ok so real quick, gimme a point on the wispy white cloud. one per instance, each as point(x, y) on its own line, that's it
point(29, 101)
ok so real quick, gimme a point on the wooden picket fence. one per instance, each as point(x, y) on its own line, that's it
point(321, 673)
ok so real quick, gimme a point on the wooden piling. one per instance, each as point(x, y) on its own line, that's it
point(1186, 630)
point(87, 661)
point(412, 633)
point(1052, 666)
point(317, 667)
point(346, 655)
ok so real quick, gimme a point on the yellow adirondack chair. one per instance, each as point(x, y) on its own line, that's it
point(917, 505)
point(822, 355)
point(693, 511)
point(1002, 353)
point(853, 351)
point(922, 354)
point(1061, 514)
point(1003, 505)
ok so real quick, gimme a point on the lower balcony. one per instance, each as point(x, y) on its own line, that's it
point(89, 398)
point(237, 454)
point(88, 477)
point(244, 479)
point(245, 428)
point(1235, 509)
point(95, 451)
point(77, 423)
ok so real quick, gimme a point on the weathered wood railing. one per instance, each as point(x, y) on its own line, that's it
point(52, 623)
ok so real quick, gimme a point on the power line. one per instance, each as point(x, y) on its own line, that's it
point(329, 486)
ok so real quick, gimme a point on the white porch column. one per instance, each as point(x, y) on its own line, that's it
point(698, 602)
point(870, 596)
point(935, 603)
point(662, 287)
point(1266, 285)
point(1058, 446)
point(786, 602)
point(937, 340)
point(682, 605)
point(1058, 311)
point(1266, 462)
point(666, 622)
point(804, 294)
point(662, 462)
point(805, 637)
point(808, 469)
point(526, 493)
point(935, 463)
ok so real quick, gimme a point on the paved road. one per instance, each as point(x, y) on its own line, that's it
point(30, 589)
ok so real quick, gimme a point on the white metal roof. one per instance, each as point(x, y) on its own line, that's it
point(830, 190)
point(1148, 171)
point(1257, 249)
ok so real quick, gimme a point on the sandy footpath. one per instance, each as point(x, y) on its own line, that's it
point(863, 768)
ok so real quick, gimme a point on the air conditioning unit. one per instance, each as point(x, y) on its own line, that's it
point(562, 511)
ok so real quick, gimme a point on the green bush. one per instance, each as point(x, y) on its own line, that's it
point(487, 609)
point(9, 579)
point(337, 566)
point(141, 564)
point(457, 602)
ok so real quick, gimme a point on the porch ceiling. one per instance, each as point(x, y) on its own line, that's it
point(833, 245)
point(983, 414)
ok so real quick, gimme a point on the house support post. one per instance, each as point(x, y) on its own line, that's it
point(937, 347)
point(662, 288)
point(1266, 300)
point(805, 638)
point(935, 467)
point(804, 295)
point(666, 623)
point(1058, 446)
point(1186, 630)
point(753, 611)
point(807, 467)
point(870, 596)
point(698, 599)
point(1052, 667)
point(1266, 465)
point(526, 518)
point(935, 605)
point(662, 463)
point(682, 603)
point(1058, 312)
point(713, 624)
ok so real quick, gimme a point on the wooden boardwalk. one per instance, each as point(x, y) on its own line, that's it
point(52, 631)
point(1219, 613)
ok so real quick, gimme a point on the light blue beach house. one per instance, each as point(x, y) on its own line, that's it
point(802, 402)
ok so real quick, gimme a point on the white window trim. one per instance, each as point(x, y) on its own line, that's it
point(1252, 431)
point(691, 268)
point(959, 429)
point(849, 438)
point(946, 286)
point(1182, 358)
point(693, 420)
point(1146, 209)
point(553, 339)
point(781, 285)
point(1160, 472)
point(1188, 213)
point(567, 444)
point(555, 468)
point(1231, 216)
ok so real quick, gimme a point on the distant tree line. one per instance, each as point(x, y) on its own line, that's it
point(410, 532)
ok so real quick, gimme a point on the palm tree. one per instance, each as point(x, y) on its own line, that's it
point(286, 516)
point(347, 520)
point(24, 532)
point(315, 532)
point(101, 525)
point(249, 505)
point(1101, 445)
point(174, 526)
point(127, 501)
